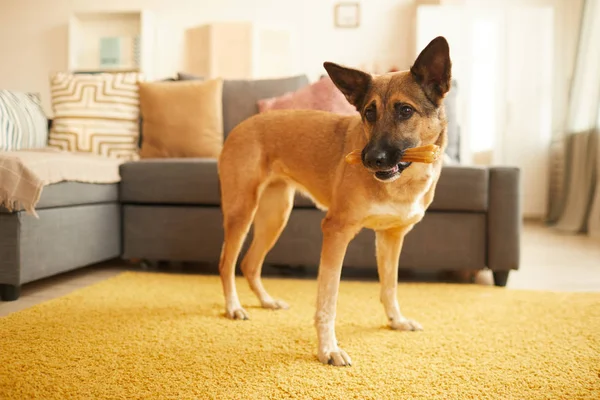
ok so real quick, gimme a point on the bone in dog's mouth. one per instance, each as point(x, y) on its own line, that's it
point(423, 154)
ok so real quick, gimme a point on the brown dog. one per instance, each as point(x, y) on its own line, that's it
point(268, 157)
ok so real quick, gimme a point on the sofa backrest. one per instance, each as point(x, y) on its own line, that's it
point(240, 97)
point(240, 101)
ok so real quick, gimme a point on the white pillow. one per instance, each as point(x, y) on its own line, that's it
point(23, 124)
point(96, 113)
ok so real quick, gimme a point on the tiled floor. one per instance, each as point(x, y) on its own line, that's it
point(550, 261)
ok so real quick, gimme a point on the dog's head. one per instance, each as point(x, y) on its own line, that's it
point(399, 110)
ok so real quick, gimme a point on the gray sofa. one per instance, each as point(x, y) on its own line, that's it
point(168, 210)
point(79, 224)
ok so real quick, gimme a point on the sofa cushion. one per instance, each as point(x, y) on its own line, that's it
point(66, 194)
point(461, 189)
point(170, 181)
point(240, 97)
point(23, 124)
point(96, 113)
point(195, 181)
point(78, 193)
point(176, 181)
point(181, 119)
point(321, 95)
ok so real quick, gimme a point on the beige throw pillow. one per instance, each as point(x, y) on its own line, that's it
point(181, 119)
point(96, 113)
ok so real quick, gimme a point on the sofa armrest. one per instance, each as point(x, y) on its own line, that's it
point(504, 219)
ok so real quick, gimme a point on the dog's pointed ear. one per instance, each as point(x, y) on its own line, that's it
point(353, 83)
point(432, 70)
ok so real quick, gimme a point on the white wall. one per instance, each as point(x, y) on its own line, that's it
point(33, 33)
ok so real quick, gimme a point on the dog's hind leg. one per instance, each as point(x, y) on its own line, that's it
point(239, 200)
point(236, 228)
point(274, 209)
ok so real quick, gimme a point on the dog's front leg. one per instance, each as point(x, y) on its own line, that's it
point(389, 245)
point(336, 236)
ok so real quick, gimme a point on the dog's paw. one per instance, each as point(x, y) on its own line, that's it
point(406, 325)
point(237, 313)
point(275, 304)
point(338, 358)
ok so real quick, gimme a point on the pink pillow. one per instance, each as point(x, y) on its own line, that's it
point(322, 95)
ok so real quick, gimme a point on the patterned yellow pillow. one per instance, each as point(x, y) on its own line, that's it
point(96, 113)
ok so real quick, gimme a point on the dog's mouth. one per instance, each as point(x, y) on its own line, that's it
point(386, 175)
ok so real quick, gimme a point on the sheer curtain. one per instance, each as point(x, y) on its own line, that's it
point(576, 206)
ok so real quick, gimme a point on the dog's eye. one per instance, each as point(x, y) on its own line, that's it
point(371, 114)
point(404, 111)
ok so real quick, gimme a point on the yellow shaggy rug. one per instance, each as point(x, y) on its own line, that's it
point(164, 336)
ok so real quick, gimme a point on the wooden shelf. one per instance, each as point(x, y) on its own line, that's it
point(111, 41)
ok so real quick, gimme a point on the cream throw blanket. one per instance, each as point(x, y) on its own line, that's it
point(23, 174)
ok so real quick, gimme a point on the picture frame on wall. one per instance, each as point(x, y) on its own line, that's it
point(347, 15)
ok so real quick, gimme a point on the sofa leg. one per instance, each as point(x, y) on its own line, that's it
point(9, 292)
point(500, 278)
point(149, 265)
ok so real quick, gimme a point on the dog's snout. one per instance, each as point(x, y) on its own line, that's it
point(376, 157)
point(383, 154)
point(379, 158)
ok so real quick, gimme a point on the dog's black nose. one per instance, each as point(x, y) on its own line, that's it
point(378, 158)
